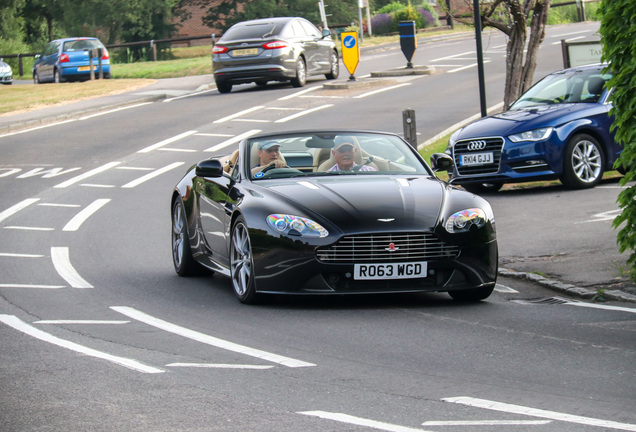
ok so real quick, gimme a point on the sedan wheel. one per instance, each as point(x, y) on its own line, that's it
point(335, 67)
point(301, 73)
point(182, 259)
point(224, 87)
point(472, 295)
point(36, 78)
point(241, 264)
point(584, 162)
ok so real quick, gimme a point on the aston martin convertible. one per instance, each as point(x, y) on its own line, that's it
point(332, 213)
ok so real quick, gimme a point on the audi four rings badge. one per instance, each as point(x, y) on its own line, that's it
point(476, 145)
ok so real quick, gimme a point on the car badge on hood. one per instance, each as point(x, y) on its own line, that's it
point(391, 248)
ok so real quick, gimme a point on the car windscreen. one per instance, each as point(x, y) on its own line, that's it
point(81, 45)
point(572, 86)
point(250, 31)
point(332, 154)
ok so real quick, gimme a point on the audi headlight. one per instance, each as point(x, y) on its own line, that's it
point(296, 225)
point(533, 135)
point(465, 220)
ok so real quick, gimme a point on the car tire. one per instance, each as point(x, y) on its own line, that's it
point(261, 83)
point(473, 294)
point(334, 67)
point(36, 78)
point(480, 188)
point(242, 264)
point(301, 73)
point(584, 162)
point(224, 87)
point(184, 263)
point(57, 78)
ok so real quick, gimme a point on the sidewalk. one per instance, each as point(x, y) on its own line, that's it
point(566, 270)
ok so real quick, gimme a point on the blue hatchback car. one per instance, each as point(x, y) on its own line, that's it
point(68, 60)
point(559, 129)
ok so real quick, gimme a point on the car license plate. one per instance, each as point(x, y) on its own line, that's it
point(245, 52)
point(83, 68)
point(390, 271)
point(476, 159)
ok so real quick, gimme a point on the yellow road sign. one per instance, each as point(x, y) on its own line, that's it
point(350, 50)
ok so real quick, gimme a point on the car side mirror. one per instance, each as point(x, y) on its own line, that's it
point(209, 168)
point(37, 56)
point(326, 33)
point(441, 162)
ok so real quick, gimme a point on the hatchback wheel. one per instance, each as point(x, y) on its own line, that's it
point(301, 73)
point(241, 264)
point(335, 67)
point(584, 162)
point(57, 78)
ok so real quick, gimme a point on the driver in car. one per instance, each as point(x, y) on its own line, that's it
point(344, 154)
point(269, 154)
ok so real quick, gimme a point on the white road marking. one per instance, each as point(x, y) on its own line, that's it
point(300, 93)
point(560, 36)
point(238, 114)
point(569, 40)
point(37, 128)
point(80, 322)
point(17, 255)
point(488, 423)
point(152, 175)
point(454, 56)
point(244, 120)
point(232, 140)
point(59, 205)
point(168, 149)
point(82, 216)
point(9, 171)
point(17, 207)
point(374, 92)
point(505, 289)
point(214, 135)
point(218, 366)
point(86, 175)
point(533, 412)
point(113, 110)
point(166, 142)
point(358, 421)
point(25, 228)
point(132, 168)
point(303, 113)
point(20, 325)
point(465, 67)
point(188, 95)
point(97, 186)
point(46, 173)
point(600, 306)
point(62, 264)
point(607, 216)
point(207, 339)
point(31, 286)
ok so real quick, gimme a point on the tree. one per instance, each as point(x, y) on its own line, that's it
point(511, 17)
point(618, 35)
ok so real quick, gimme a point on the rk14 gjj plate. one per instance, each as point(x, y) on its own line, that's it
point(390, 271)
point(476, 159)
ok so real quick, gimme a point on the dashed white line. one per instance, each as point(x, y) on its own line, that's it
point(207, 339)
point(302, 92)
point(166, 142)
point(358, 421)
point(488, 423)
point(300, 114)
point(17, 207)
point(62, 264)
point(238, 114)
point(371, 93)
point(218, 366)
point(152, 175)
point(26, 228)
point(18, 324)
point(113, 110)
point(232, 140)
point(19, 255)
point(31, 286)
point(82, 216)
point(88, 174)
point(465, 67)
point(533, 412)
point(116, 322)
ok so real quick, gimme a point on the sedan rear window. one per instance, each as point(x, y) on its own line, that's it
point(252, 31)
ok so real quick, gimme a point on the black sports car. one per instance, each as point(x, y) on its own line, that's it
point(332, 212)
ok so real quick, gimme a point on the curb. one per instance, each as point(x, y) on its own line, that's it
point(566, 288)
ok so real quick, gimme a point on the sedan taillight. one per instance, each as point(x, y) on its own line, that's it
point(275, 45)
point(218, 49)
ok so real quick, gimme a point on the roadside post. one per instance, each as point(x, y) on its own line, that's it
point(350, 52)
point(91, 53)
point(408, 42)
point(410, 130)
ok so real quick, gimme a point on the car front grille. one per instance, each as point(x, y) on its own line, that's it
point(384, 248)
point(492, 145)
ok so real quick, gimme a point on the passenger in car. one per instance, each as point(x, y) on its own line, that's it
point(344, 153)
point(269, 154)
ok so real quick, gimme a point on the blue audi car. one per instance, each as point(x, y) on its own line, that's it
point(559, 129)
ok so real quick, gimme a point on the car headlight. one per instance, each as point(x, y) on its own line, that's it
point(533, 135)
point(296, 225)
point(465, 220)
